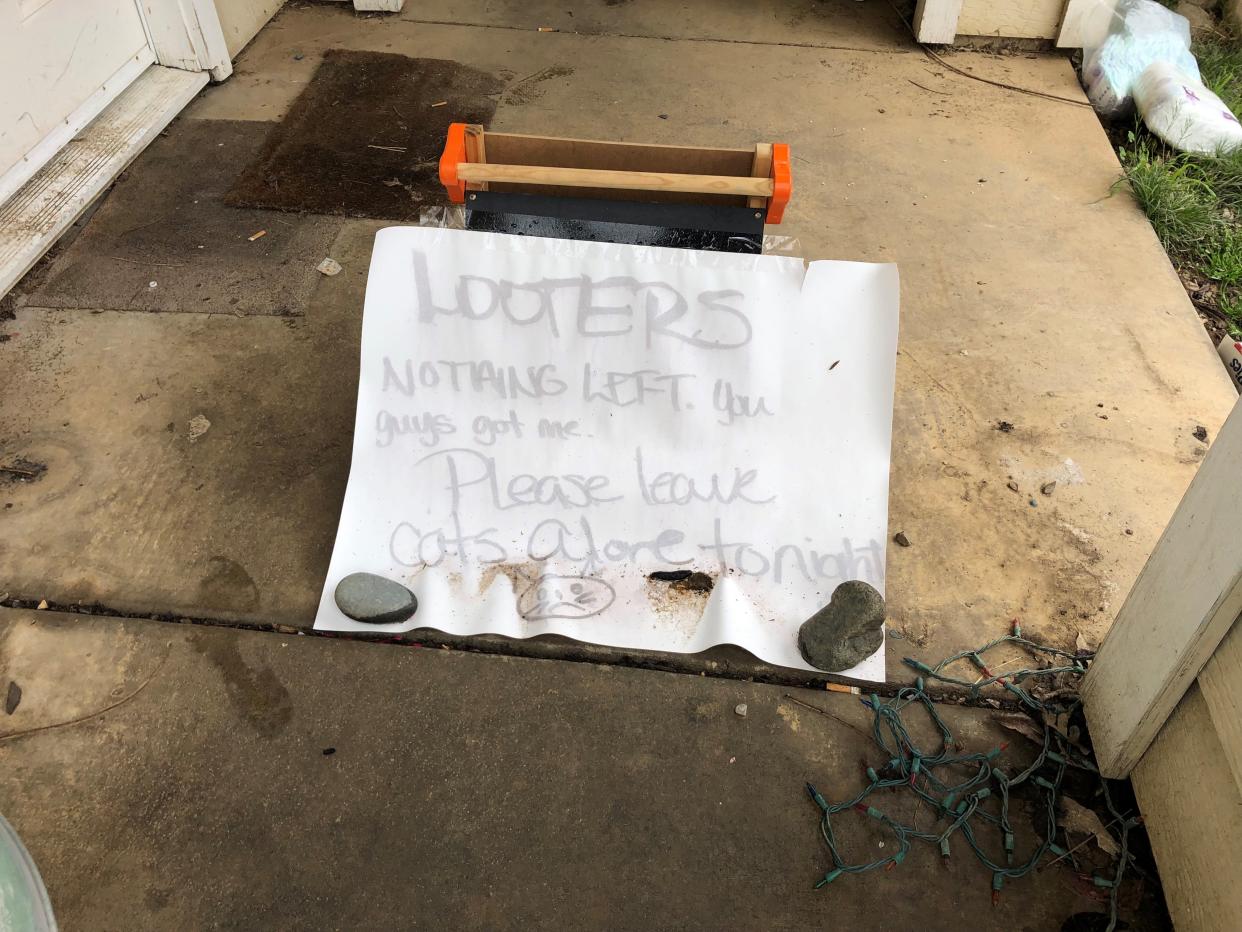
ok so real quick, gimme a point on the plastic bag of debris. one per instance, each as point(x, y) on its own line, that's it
point(1185, 114)
point(1121, 39)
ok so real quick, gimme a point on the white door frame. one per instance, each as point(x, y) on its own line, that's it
point(56, 139)
point(187, 34)
point(183, 34)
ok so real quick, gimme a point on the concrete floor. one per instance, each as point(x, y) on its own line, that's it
point(462, 791)
point(1029, 295)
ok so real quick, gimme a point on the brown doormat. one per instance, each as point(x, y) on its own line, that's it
point(364, 139)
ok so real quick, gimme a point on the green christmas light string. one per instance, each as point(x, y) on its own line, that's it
point(958, 806)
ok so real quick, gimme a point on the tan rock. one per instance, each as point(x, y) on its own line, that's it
point(1201, 21)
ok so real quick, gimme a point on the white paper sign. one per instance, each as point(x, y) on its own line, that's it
point(543, 423)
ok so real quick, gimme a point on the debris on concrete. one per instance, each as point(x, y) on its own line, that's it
point(329, 267)
point(23, 470)
point(1048, 487)
point(901, 540)
point(439, 103)
point(1005, 427)
point(740, 709)
point(1200, 433)
point(42, 605)
point(1011, 486)
point(255, 236)
point(13, 699)
point(199, 425)
point(374, 600)
point(846, 631)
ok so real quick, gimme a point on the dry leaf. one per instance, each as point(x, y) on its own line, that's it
point(1022, 724)
point(1078, 818)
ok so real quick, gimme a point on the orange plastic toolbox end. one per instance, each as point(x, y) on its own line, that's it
point(454, 155)
point(782, 182)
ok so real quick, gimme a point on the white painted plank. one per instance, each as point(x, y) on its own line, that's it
point(44, 207)
point(1193, 812)
point(1221, 685)
point(1080, 18)
point(1181, 606)
point(1011, 19)
point(54, 56)
point(186, 34)
point(935, 21)
point(241, 20)
point(56, 139)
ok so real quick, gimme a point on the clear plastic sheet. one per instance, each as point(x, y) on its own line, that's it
point(453, 217)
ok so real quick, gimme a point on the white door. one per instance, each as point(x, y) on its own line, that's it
point(61, 62)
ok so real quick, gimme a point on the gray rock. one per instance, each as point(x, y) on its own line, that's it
point(846, 631)
point(374, 600)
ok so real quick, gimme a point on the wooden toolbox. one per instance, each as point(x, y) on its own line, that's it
point(615, 191)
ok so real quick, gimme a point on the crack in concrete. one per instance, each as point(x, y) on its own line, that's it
point(528, 650)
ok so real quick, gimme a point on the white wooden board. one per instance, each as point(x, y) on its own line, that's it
point(1183, 603)
point(44, 207)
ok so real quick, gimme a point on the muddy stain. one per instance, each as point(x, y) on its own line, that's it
point(530, 88)
point(227, 584)
point(258, 695)
point(364, 139)
point(521, 575)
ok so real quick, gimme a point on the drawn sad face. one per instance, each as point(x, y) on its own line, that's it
point(565, 597)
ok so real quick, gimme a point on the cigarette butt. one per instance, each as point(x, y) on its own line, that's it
point(548, 29)
point(838, 688)
point(257, 235)
point(439, 103)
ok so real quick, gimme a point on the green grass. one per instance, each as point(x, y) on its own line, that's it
point(1181, 206)
point(1194, 202)
point(1224, 261)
